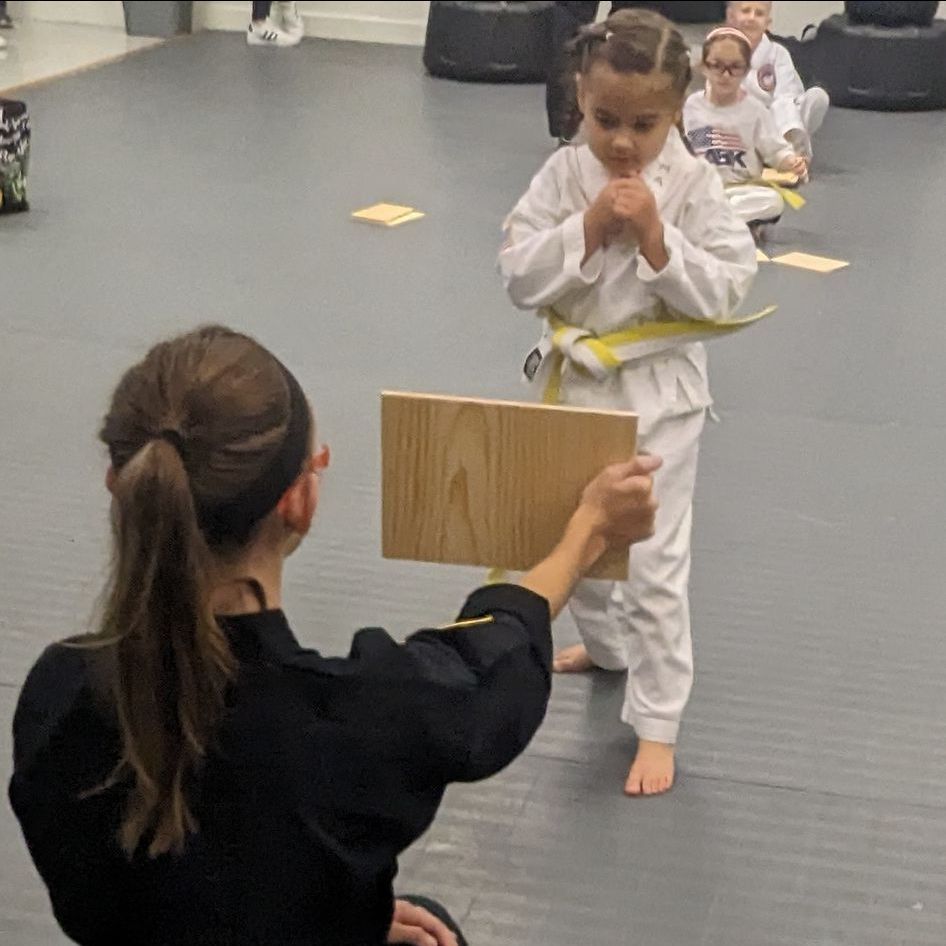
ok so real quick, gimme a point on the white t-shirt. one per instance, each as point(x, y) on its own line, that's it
point(738, 140)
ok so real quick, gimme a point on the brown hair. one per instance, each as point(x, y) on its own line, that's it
point(728, 32)
point(638, 41)
point(190, 427)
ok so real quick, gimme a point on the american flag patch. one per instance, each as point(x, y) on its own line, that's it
point(708, 137)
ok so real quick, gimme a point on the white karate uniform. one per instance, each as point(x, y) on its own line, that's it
point(739, 140)
point(642, 624)
point(773, 80)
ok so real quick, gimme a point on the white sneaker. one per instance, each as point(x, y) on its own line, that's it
point(267, 33)
point(291, 20)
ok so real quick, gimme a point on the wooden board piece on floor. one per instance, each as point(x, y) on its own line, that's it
point(783, 178)
point(761, 257)
point(817, 264)
point(491, 483)
point(387, 215)
point(407, 218)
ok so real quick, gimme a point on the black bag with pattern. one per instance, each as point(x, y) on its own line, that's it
point(14, 155)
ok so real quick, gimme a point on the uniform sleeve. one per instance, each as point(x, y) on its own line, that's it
point(543, 246)
point(788, 83)
point(769, 143)
point(474, 692)
point(712, 258)
point(48, 768)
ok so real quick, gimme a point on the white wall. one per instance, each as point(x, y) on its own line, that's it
point(379, 22)
point(92, 13)
point(789, 19)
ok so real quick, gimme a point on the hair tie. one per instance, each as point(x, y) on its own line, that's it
point(174, 438)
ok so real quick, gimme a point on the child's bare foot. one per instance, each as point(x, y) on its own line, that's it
point(652, 771)
point(573, 660)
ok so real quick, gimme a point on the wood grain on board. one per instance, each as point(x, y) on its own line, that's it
point(491, 483)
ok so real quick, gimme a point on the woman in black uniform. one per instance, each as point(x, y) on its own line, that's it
point(189, 774)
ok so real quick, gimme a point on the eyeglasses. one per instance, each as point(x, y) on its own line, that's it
point(320, 460)
point(735, 69)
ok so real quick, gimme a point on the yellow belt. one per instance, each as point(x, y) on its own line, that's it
point(607, 349)
point(610, 350)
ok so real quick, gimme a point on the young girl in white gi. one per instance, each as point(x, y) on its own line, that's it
point(773, 80)
point(632, 232)
point(735, 132)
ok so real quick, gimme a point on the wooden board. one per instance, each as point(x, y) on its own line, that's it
point(783, 178)
point(817, 264)
point(388, 215)
point(491, 483)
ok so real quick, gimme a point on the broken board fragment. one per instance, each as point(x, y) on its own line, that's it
point(761, 257)
point(817, 264)
point(491, 483)
point(782, 178)
point(387, 215)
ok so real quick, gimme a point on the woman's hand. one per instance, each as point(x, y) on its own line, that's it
point(617, 508)
point(620, 501)
point(415, 926)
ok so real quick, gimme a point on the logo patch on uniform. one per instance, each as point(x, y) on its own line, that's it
point(766, 77)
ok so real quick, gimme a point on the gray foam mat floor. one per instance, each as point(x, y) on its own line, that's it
point(204, 181)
